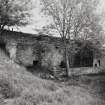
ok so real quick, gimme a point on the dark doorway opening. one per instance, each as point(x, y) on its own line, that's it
point(95, 65)
point(3, 47)
point(35, 63)
point(34, 67)
point(99, 62)
point(62, 64)
point(84, 58)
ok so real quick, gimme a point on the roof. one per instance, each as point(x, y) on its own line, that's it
point(27, 38)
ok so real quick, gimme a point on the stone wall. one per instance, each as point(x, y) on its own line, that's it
point(102, 61)
point(26, 49)
point(51, 56)
point(11, 47)
point(48, 55)
point(24, 55)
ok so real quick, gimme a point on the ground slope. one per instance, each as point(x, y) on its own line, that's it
point(19, 87)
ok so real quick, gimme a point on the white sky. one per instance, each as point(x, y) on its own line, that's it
point(38, 21)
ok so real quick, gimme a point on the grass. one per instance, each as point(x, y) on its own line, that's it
point(19, 87)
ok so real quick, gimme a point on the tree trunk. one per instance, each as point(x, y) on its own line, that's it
point(66, 59)
point(67, 64)
point(66, 56)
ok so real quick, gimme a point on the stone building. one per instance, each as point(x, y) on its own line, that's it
point(47, 51)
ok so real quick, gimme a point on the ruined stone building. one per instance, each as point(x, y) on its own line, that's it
point(47, 51)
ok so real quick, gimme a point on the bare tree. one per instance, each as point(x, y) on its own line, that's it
point(61, 12)
point(14, 13)
point(87, 24)
point(71, 18)
point(86, 21)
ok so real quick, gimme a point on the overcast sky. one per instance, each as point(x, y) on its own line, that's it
point(38, 21)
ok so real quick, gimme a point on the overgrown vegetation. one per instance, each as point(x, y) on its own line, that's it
point(72, 19)
point(19, 87)
point(14, 13)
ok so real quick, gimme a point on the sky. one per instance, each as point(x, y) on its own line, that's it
point(38, 21)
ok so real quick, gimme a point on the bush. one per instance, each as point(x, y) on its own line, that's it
point(7, 89)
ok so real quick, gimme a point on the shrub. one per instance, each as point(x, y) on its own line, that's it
point(7, 89)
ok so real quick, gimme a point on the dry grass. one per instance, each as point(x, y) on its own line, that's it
point(19, 87)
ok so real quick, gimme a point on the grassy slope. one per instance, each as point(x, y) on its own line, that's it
point(19, 87)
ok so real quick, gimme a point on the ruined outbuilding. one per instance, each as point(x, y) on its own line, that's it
point(47, 51)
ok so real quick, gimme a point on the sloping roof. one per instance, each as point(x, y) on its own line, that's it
point(28, 35)
point(26, 38)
